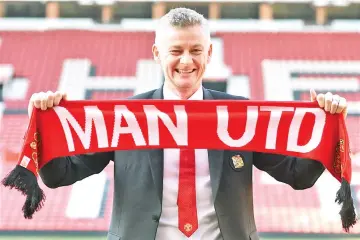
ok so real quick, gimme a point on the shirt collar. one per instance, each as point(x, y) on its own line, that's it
point(170, 95)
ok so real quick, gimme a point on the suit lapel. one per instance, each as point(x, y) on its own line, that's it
point(158, 94)
point(216, 159)
point(156, 158)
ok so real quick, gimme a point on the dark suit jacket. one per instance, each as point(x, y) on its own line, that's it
point(138, 183)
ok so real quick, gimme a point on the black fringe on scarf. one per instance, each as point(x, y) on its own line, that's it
point(347, 212)
point(25, 181)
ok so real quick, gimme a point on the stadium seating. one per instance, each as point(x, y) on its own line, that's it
point(39, 57)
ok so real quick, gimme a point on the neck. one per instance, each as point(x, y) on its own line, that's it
point(183, 93)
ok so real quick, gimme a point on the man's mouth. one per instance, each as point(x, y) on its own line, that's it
point(185, 71)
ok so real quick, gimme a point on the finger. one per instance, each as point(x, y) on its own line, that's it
point(37, 99)
point(334, 104)
point(50, 99)
point(43, 101)
point(58, 97)
point(312, 95)
point(342, 107)
point(328, 101)
point(321, 100)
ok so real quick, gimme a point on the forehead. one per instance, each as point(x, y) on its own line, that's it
point(183, 37)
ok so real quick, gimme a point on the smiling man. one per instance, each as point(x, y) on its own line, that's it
point(178, 194)
point(183, 49)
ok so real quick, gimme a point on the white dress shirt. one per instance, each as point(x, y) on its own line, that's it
point(168, 223)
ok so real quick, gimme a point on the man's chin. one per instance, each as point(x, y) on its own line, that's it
point(185, 82)
point(186, 85)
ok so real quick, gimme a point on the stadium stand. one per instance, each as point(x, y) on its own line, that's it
point(115, 55)
point(273, 60)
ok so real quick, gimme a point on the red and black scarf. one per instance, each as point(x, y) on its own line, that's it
point(288, 128)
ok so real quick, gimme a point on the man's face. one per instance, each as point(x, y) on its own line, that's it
point(183, 54)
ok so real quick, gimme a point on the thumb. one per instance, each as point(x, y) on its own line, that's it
point(30, 106)
point(345, 112)
point(312, 95)
point(30, 109)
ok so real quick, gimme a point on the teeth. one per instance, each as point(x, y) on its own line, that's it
point(189, 71)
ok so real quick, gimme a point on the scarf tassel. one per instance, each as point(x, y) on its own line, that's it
point(347, 212)
point(25, 181)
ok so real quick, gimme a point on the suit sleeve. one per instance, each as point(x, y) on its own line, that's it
point(299, 173)
point(65, 171)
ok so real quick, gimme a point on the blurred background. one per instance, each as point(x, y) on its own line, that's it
point(101, 49)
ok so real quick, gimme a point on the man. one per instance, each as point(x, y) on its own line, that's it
point(149, 184)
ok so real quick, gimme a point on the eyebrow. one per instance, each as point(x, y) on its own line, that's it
point(176, 46)
point(179, 47)
point(198, 45)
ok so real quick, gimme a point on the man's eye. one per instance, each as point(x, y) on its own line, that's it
point(175, 51)
point(197, 51)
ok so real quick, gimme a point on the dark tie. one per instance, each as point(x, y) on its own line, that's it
point(188, 222)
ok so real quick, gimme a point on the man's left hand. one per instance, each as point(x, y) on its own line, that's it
point(329, 102)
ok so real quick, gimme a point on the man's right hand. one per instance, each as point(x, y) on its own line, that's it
point(44, 100)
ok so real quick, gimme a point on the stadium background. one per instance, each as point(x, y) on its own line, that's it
point(273, 50)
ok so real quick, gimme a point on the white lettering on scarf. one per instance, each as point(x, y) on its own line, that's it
point(272, 130)
point(92, 114)
point(273, 126)
point(223, 122)
point(179, 132)
point(317, 131)
point(133, 126)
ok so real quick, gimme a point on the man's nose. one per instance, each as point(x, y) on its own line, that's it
point(186, 59)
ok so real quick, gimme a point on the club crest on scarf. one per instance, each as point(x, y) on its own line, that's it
point(340, 148)
point(35, 155)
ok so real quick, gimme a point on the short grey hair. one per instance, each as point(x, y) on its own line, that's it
point(183, 18)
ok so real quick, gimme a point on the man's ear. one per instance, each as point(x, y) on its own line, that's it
point(209, 53)
point(156, 53)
